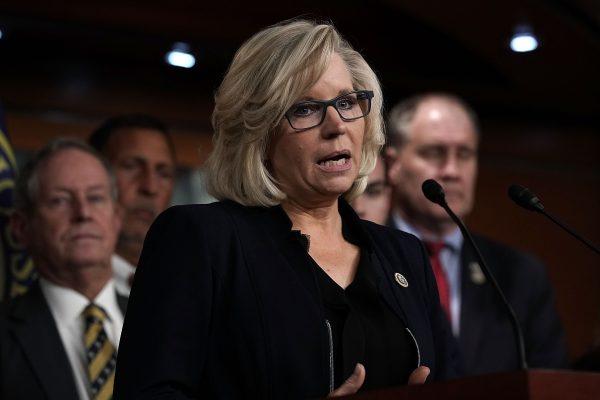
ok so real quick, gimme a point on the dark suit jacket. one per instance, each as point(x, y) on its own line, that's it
point(486, 340)
point(33, 362)
point(224, 306)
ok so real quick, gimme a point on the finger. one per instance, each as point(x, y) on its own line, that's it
point(418, 376)
point(352, 384)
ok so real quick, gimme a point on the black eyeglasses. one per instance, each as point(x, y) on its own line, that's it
point(350, 106)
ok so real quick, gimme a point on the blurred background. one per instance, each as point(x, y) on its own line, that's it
point(66, 66)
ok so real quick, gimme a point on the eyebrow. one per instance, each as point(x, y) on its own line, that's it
point(144, 160)
point(340, 93)
point(70, 190)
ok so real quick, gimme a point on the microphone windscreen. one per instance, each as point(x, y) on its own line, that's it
point(433, 192)
point(524, 198)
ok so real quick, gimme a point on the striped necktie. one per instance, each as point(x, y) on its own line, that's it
point(100, 352)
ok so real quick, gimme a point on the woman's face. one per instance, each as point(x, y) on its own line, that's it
point(317, 165)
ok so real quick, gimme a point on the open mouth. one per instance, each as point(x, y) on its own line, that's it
point(337, 160)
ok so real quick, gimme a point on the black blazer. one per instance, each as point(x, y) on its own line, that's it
point(33, 362)
point(486, 341)
point(222, 306)
point(486, 338)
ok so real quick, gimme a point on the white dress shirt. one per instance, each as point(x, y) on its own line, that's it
point(66, 306)
point(450, 258)
point(122, 271)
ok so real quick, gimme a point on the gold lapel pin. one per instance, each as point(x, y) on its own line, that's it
point(477, 275)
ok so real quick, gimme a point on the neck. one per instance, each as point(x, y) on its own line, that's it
point(323, 219)
point(88, 280)
point(130, 250)
point(428, 227)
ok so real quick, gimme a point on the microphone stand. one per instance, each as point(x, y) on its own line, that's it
point(525, 198)
point(515, 322)
point(434, 193)
point(569, 230)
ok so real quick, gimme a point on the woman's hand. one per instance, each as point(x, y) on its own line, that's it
point(356, 380)
point(352, 384)
point(419, 375)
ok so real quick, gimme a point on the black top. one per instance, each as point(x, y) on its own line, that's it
point(230, 310)
point(363, 328)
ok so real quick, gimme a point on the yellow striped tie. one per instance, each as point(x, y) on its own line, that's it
point(100, 352)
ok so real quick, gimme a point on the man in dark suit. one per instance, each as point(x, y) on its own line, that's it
point(142, 155)
point(59, 340)
point(436, 136)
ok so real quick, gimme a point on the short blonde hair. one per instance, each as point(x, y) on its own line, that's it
point(267, 75)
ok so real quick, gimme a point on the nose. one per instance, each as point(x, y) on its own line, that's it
point(81, 209)
point(451, 168)
point(333, 125)
point(148, 182)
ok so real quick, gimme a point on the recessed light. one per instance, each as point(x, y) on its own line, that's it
point(180, 56)
point(523, 40)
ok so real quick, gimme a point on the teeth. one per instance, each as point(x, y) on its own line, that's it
point(331, 163)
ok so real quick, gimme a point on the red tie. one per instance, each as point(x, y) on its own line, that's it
point(434, 249)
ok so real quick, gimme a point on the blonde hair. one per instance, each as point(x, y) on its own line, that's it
point(267, 75)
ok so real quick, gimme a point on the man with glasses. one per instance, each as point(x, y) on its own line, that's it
point(436, 136)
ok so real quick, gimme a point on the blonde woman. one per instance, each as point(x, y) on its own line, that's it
point(279, 290)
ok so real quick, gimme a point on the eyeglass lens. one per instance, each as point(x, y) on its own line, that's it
point(308, 114)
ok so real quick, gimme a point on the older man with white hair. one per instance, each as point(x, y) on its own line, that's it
point(60, 339)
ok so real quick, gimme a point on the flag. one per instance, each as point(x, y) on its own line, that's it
point(17, 273)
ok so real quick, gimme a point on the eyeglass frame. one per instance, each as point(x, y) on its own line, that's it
point(326, 103)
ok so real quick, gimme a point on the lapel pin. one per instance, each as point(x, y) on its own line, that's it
point(477, 276)
point(401, 279)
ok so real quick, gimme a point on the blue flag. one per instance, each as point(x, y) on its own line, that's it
point(16, 267)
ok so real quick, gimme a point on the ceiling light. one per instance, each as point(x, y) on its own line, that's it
point(523, 40)
point(180, 56)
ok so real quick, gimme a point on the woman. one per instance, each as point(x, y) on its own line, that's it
point(279, 290)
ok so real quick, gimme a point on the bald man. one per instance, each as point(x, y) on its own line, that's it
point(436, 136)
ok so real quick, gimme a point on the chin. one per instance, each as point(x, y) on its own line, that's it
point(340, 184)
point(89, 258)
point(136, 231)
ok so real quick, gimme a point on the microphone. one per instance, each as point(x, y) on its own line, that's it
point(525, 198)
point(528, 200)
point(434, 192)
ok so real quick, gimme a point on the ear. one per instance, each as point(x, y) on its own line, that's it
point(392, 160)
point(20, 228)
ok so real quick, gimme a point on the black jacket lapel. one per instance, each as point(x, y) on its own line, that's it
point(122, 303)
point(475, 306)
point(35, 329)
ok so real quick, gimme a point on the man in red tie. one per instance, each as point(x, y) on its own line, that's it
point(436, 136)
